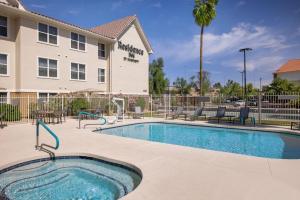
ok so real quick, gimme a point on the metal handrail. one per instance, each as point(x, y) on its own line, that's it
point(40, 122)
point(89, 114)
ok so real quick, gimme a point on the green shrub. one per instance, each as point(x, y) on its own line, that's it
point(141, 102)
point(12, 113)
point(79, 104)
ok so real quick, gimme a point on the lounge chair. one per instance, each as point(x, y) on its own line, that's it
point(295, 124)
point(112, 120)
point(2, 123)
point(221, 113)
point(138, 114)
point(244, 116)
point(196, 114)
point(175, 114)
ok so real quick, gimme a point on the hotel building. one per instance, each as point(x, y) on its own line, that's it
point(42, 56)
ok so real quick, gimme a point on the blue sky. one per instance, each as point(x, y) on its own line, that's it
point(270, 27)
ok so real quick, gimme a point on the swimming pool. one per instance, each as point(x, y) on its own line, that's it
point(71, 177)
point(254, 143)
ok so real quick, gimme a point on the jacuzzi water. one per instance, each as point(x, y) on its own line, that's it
point(254, 143)
point(72, 177)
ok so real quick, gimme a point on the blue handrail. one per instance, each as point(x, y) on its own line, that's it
point(91, 115)
point(40, 122)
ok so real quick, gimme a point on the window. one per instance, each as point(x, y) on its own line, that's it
point(3, 64)
point(3, 97)
point(101, 75)
point(77, 71)
point(44, 96)
point(47, 34)
point(101, 50)
point(47, 68)
point(3, 26)
point(77, 41)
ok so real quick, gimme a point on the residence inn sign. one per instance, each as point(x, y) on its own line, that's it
point(132, 51)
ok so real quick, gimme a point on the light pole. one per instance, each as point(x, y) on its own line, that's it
point(245, 76)
point(242, 73)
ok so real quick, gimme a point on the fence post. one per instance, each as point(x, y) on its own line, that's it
point(28, 109)
point(259, 107)
point(151, 105)
point(165, 102)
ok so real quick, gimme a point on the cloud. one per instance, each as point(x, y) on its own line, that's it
point(38, 6)
point(222, 45)
point(240, 3)
point(157, 5)
point(116, 4)
point(73, 12)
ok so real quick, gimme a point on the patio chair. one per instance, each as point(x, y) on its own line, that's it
point(196, 114)
point(2, 123)
point(244, 116)
point(294, 124)
point(221, 111)
point(138, 114)
point(175, 114)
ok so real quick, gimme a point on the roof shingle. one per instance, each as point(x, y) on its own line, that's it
point(290, 66)
point(114, 28)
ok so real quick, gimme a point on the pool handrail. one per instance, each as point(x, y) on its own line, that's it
point(38, 123)
point(89, 114)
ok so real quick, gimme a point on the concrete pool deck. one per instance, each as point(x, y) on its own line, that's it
point(169, 171)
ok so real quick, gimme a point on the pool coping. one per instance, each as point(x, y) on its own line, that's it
point(119, 163)
point(188, 123)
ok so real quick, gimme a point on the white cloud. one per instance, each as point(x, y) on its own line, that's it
point(73, 12)
point(225, 45)
point(38, 6)
point(117, 4)
point(157, 5)
point(240, 3)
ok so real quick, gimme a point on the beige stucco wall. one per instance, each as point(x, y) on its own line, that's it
point(129, 77)
point(31, 49)
point(291, 76)
point(8, 46)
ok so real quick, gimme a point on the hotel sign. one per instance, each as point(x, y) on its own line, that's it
point(132, 51)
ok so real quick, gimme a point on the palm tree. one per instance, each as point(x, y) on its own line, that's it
point(204, 12)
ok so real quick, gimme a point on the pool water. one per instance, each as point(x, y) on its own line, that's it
point(254, 143)
point(67, 178)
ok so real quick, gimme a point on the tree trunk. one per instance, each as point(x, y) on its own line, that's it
point(201, 62)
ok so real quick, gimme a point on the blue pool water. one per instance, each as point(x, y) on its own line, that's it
point(67, 178)
point(254, 143)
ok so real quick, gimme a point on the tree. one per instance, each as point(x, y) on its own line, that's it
point(182, 86)
point(195, 82)
point(204, 12)
point(232, 89)
point(218, 85)
point(157, 80)
point(279, 85)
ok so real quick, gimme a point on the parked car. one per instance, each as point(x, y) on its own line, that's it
point(239, 103)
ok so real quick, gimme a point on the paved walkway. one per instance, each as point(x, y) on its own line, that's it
point(169, 172)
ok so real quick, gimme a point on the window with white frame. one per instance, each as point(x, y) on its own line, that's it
point(101, 75)
point(3, 26)
point(3, 97)
point(44, 96)
point(101, 50)
point(47, 68)
point(78, 41)
point(77, 71)
point(47, 34)
point(3, 64)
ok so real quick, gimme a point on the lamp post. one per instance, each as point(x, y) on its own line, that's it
point(242, 73)
point(244, 50)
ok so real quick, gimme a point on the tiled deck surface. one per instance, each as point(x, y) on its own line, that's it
point(169, 172)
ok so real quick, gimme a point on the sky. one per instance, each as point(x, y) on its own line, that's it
point(270, 27)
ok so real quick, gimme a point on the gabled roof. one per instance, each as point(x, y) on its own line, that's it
point(116, 28)
point(290, 66)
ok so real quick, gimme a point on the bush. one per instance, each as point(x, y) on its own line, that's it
point(141, 102)
point(79, 104)
point(12, 113)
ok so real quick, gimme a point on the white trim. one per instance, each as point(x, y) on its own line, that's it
point(47, 43)
point(85, 72)
point(47, 77)
point(70, 37)
point(7, 65)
